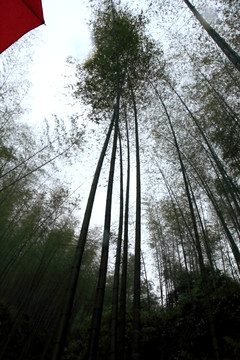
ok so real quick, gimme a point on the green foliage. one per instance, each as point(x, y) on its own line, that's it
point(181, 332)
point(37, 234)
point(21, 334)
point(188, 286)
point(121, 51)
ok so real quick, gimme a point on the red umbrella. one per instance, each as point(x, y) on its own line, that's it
point(17, 17)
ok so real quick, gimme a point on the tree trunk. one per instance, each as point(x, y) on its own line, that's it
point(147, 284)
point(124, 258)
point(233, 190)
point(99, 297)
point(137, 265)
point(114, 322)
point(224, 46)
point(197, 241)
point(65, 317)
point(210, 195)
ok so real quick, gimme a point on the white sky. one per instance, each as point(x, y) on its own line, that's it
point(65, 34)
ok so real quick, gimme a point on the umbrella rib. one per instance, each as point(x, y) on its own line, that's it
point(34, 13)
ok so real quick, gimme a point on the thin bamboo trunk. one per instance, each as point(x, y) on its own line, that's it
point(124, 259)
point(173, 200)
point(233, 190)
point(224, 46)
point(210, 195)
point(99, 296)
point(227, 108)
point(21, 177)
point(23, 162)
point(65, 317)
point(147, 284)
point(197, 240)
point(115, 295)
point(137, 264)
point(159, 270)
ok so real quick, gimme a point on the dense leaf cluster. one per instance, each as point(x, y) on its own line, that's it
point(121, 51)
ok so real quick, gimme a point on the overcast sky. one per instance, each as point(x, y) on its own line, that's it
point(65, 34)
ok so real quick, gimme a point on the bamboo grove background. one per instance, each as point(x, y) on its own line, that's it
point(159, 134)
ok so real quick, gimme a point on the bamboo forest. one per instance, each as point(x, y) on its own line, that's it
point(155, 129)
